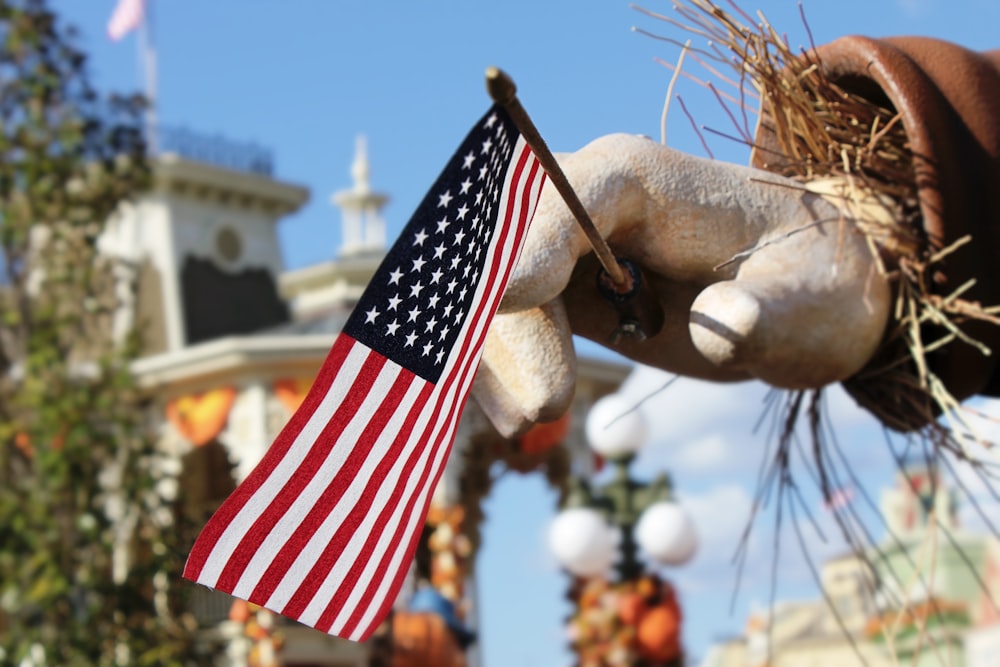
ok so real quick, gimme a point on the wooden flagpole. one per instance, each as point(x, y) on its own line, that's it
point(503, 91)
point(147, 58)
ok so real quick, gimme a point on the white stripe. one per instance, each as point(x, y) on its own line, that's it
point(345, 561)
point(283, 471)
point(324, 532)
point(413, 522)
point(328, 469)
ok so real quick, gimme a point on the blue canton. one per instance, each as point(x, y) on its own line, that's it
point(421, 294)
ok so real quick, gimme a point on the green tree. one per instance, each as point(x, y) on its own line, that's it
point(88, 553)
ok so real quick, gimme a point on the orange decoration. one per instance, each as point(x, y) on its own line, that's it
point(240, 611)
point(23, 442)
point(421, 639)
point(658, 635)
point(292, 391)
point(201, 417)
point(542, 437)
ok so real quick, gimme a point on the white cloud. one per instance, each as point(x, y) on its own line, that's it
point(711, 453)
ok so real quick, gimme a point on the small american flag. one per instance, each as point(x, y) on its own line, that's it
point(126, 17)
point(324, 529)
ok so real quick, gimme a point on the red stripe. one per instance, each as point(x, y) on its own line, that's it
point(321, 569)
point(304, 472)
point(326, 502)
point(425, 440)
point(221, 519)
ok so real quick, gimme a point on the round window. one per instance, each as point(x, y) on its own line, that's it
point(228, 244)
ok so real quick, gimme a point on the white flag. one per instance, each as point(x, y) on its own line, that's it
point(126, 18)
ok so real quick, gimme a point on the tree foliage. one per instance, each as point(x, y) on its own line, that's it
point(87, 553)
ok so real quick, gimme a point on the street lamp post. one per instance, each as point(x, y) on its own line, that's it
point(611, 524)
point(624, 515)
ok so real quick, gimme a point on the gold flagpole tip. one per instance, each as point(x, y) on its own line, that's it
point(500, 86)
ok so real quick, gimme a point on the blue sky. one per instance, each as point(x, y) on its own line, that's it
point(305, 77)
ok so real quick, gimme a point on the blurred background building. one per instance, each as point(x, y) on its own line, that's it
point(926, 594)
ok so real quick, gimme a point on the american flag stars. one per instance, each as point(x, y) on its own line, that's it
point(431, 280)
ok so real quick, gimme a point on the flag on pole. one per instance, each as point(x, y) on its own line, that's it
point(126, 17)
point(324, 528)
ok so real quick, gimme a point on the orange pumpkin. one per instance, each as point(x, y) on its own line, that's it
point(658, 635)
point(544, 436)
point(421, 639)
point(631, 608)
point(240, 611)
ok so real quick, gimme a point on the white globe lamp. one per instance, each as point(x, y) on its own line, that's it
point(583, 542)
point(666, 533)
point(615, 429)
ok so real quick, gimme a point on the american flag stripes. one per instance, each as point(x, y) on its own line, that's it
point(324, 529)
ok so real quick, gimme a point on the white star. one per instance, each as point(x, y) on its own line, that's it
point(439, 356)
point(479, 197)
point(371, 315)
point(451, 287)
point(442, 225)
point(395, 276)
point(466, 184)
point(455, 261)
point(459, 237)
point(469, 159)
point(487, 145)
point(445, 199)
point(461, 295)
point(411, 338)
point(418, 264)
point(416, 289)
point(394, 302)
point(462, 211)
point(465, 272)
point(419, 240)
point(492, 120)
point(436, 276)
point(447, 309)
point(439, 251)
point(391, 331)
point(414, 314)
point(444, 332)
point(427, 349)
point(433, 301)
point(431, 323)
point(482, 172)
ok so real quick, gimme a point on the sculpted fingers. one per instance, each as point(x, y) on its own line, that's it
point(528, 371)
